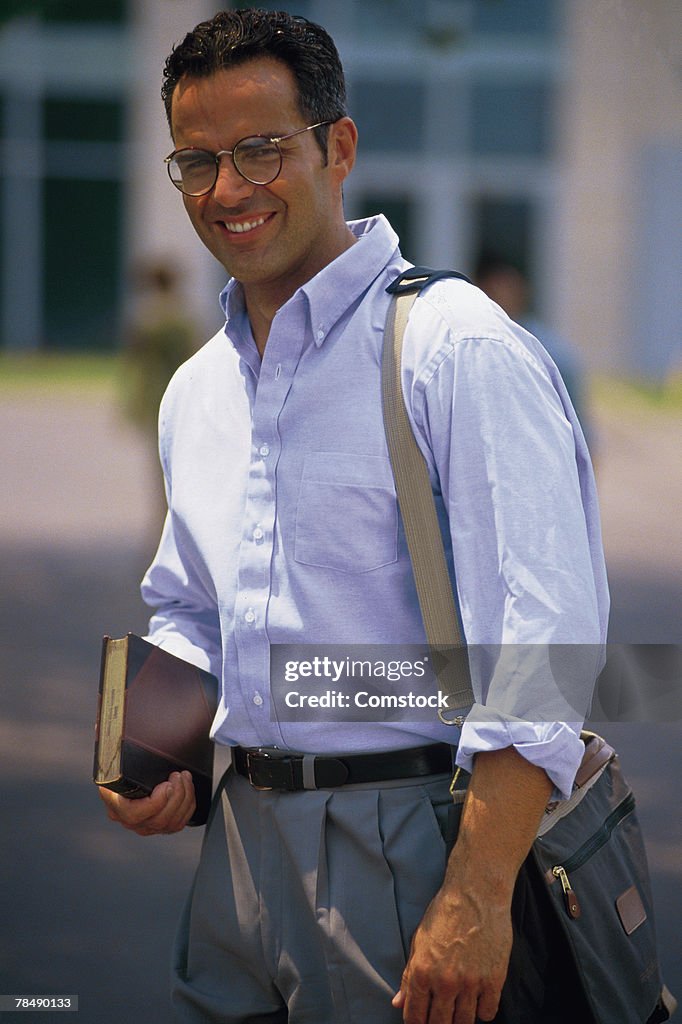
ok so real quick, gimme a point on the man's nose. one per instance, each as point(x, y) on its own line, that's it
point(231, 187)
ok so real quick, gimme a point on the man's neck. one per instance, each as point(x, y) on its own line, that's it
point(263, 301)
point(261, 322)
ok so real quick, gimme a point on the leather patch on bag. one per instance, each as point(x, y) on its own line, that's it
point(630, 910)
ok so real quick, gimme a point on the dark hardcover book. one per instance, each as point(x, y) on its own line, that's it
point(154, 716)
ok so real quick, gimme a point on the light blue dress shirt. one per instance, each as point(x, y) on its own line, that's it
point(283, 525)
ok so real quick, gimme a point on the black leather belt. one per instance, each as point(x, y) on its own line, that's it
point(271, 768)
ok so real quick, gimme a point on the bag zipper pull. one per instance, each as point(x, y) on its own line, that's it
point(570, 898)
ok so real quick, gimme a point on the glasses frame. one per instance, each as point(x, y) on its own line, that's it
point(275, 140)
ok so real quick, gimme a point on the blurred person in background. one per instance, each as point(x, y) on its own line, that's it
point(504, 283)
point(160, 338)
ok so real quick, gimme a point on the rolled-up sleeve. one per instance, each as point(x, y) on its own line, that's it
point(555, 747)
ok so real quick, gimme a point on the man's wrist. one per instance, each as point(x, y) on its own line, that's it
point(469, 870)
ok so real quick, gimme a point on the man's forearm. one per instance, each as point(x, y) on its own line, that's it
point(503, 807)
point(460, 952)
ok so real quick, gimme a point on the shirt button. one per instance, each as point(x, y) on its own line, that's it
point(250, 615)
point(258, 533)
point(264, 449)
point(320, 334)
point(257, 700)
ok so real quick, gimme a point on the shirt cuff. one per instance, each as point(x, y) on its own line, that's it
point(554, 746)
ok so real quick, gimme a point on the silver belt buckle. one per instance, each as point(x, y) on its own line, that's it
point(249, 755)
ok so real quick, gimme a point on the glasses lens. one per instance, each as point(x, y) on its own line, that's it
point(193, 171)
point(259, 160)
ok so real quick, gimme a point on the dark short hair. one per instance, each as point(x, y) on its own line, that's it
point(231, 38)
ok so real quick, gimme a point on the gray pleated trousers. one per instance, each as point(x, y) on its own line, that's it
point(304, 904)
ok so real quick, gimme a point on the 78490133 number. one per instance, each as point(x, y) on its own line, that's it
point(35, 1002)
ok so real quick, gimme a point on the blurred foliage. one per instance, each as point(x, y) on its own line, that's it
point(633, 395)
point(45, 371)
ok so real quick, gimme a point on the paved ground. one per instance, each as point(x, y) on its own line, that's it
point(88, 909)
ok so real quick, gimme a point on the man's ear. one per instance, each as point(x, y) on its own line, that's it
point(342, 146)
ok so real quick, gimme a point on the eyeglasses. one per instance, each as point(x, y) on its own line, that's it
point(257, 158)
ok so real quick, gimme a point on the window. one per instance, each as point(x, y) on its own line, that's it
point(510, 118)
point(83, 10)
point(82, 203)
point(389, 15)
point(503, 229)
point(390, 115)
point(528, 17)
point(87, 120)
point(82, 246)
point(399, 211)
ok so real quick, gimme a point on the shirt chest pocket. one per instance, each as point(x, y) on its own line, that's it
point(346, 515)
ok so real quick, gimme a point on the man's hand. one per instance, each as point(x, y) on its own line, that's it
point(166, 810)
point(460, 952)
point(458, 961)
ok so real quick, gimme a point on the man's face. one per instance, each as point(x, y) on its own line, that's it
point(275, 236)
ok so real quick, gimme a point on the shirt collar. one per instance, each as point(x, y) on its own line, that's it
point(337, 286)
point(232, 299)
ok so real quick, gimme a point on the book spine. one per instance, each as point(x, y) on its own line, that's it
point(111, 707)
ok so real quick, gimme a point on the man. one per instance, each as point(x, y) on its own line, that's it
point(332, 902)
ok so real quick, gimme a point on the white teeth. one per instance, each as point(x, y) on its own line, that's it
point(243, 226)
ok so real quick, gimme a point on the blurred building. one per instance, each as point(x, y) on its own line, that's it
point(548, 131)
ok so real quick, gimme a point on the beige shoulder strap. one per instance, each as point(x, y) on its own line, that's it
point(420, 520)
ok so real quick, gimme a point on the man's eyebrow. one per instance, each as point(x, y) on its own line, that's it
point(265, 135)
point(257, 135)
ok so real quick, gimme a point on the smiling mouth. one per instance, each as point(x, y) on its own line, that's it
point(244, 226)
